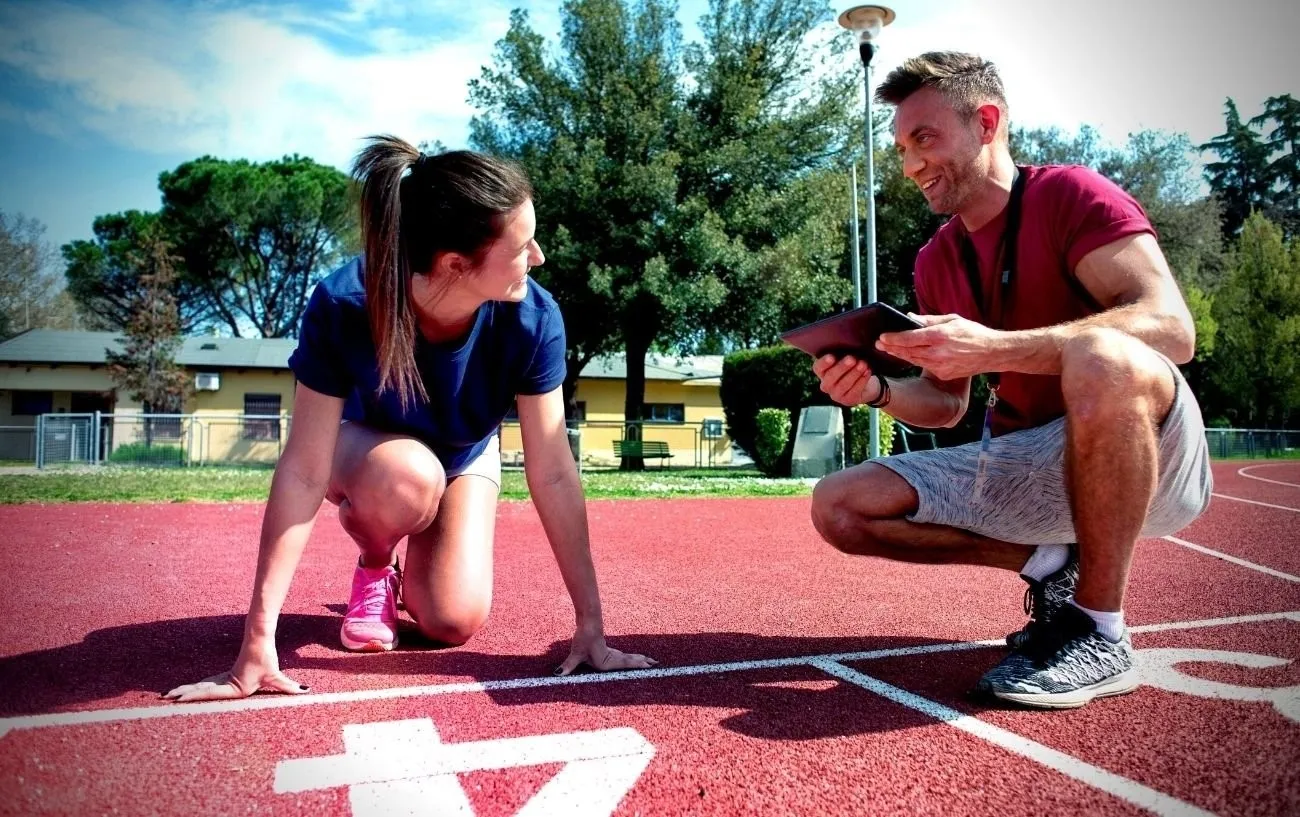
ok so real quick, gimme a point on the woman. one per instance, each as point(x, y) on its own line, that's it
point(407, 362)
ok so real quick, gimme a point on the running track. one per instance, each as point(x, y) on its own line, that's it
point(795, 680)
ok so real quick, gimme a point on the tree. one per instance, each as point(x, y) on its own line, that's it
point(593, 129)
point(146, 367)
point(31, 294)
point(103, 274)
point(1283, 112)
point(255, 238)
point(1256, 368)
point(677, 213)
point(1240, 179)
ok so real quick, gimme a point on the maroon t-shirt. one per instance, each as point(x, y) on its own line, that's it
point(1068, 211)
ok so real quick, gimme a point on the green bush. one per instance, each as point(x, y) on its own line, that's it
point(773, 431)
point(152, 454)
point(771, 377)
point(860, 434)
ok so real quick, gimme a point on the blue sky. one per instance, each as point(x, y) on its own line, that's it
point(98, 98)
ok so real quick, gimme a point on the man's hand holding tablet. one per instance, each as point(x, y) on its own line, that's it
point(846, 357)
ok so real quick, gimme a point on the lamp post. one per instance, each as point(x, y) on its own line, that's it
point(866, 22)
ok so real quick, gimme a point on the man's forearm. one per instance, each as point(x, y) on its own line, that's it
point(920, 402)
point(1038, 351)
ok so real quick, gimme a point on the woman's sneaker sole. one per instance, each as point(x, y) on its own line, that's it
point(368, 646)
point(1121, 684)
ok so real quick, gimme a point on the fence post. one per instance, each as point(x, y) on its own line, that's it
point(40, 441)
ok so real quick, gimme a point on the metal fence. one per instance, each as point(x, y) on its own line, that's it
point(237, 439)
point(1252, 443)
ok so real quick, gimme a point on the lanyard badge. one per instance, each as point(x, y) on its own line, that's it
point(986, 439)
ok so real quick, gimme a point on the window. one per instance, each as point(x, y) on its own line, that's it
point(664, 412)
point(87, 402)
point(262, 428)
point(163, 427)
point(31, 403)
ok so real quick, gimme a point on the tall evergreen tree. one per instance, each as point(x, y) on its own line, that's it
point(146, 368)
point(1240, 179)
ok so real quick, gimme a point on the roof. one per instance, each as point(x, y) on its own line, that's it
point(60, 346)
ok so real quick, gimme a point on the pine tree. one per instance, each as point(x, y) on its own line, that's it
point(1240, 179)
point(147, 368)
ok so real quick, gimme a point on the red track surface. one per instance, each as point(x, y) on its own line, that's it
point(111, 605)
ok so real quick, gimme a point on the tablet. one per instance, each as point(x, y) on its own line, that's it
point(855, 333)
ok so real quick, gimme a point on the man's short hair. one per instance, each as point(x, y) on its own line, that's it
point(967, 81)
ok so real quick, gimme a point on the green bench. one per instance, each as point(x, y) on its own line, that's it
point(645, 449)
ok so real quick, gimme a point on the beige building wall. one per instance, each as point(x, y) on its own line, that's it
point(215, 432)
point(604, 423)
point(220, 435)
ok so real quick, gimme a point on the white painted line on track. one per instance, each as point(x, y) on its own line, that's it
point(1258, 618)
point(1241, 472)
point(171, 710)
point(1235, 560)
point(1257, 502)
point(1109, 782)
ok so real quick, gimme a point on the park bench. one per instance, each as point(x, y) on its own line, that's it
point(645, 449)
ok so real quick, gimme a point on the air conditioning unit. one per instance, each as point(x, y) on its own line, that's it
point(207, 381)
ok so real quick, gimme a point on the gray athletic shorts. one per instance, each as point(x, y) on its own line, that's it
point(1024, 499)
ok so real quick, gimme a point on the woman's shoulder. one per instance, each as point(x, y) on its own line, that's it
point(345, 285)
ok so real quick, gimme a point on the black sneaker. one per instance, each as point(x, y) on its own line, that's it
point(1043, 599)
point(1064, 665)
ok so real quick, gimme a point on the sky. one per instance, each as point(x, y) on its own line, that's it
point(98, 98)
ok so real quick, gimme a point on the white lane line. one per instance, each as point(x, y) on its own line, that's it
point(1257, 502)
point(1212, 622)
point(1241, 472)
point(172, 710)
point(1128, 790)
point(1236, 561)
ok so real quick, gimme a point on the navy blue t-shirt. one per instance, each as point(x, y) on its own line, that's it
point(512, 349)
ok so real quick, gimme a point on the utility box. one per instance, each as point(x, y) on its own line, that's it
point(818, 442)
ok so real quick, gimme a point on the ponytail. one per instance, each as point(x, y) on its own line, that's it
point(380, 168)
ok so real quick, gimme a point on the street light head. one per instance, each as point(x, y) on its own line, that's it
point(866, 21)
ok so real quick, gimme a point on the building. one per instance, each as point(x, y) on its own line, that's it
point(243, 399)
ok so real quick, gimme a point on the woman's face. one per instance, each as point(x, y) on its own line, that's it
point(502, 274)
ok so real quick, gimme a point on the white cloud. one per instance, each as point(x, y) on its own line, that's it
point(262, 81)
point(1120, 65)
point(238, 82)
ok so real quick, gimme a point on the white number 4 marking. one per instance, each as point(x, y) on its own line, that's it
point(404, 768)
point(1160, 669)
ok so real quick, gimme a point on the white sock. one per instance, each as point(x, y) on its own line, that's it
point(1110, 625)
point(1044, 561)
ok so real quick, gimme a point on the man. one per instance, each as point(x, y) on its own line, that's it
point(1050, 280)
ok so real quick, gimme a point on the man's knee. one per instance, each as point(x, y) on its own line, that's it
point(1106, 373)
point(847, 503)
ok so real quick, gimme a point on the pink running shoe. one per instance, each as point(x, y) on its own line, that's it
point(370, 625)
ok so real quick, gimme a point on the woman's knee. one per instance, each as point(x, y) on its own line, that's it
point(395, 492)
point(453, 628)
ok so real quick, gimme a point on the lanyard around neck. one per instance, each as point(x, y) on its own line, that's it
point(993, 312)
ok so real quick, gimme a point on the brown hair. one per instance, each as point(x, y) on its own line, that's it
point(966, 80)
point(447, 202)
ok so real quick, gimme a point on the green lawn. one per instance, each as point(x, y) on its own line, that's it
point(109, 483)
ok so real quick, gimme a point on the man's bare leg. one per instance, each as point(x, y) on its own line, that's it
point(1117, 392)
point(862, 511)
